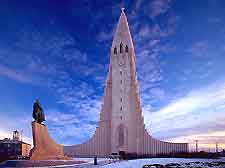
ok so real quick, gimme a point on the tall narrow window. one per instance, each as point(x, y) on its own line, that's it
point(115, 50)
point(121, 47)
point(121, 136)
point(120, 81)
point(120, 72)
point(121, 99)
point(126, 49)
point(121, 108)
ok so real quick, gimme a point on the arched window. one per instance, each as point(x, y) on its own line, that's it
point(115, 50)
point(126, 49)
point(121, 47)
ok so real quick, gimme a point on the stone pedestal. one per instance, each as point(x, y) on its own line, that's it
point(45, 148)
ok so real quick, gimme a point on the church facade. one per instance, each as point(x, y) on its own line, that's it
point(121, 127)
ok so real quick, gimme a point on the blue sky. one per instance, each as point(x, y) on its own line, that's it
point(58, 51)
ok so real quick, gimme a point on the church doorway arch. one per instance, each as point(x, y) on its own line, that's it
point(122, 138)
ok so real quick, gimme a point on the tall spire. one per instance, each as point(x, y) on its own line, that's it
point(122, 33)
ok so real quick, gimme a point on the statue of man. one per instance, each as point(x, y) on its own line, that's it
point(38, 112)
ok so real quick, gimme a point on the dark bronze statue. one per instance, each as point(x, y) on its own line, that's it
point(38, 112)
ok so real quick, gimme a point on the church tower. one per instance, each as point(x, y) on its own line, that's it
point(121, 127)
point(125, 98)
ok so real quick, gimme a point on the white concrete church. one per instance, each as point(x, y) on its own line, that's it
point(121, 126)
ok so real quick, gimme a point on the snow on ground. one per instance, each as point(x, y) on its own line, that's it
point(90, 160)
point(139, 163)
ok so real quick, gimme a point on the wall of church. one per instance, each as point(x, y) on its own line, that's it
point(96, 146)
point(99, 144)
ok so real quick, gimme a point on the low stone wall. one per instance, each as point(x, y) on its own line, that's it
point(45, 148)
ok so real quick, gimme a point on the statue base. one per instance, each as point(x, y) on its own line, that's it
point(45, 148)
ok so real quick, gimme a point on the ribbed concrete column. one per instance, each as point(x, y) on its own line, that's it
point(146, 143)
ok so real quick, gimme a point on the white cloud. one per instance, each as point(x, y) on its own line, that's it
point(150, 32)
point(36, 55)
point(104, 36)
point(59, 118)
point(137, 6)
point(206, 140)
point(75, 56)
point(158, 93)
point(15, 75)
point(199, 49)
point(203, 107)
point(158, 7)
point(69, 128)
